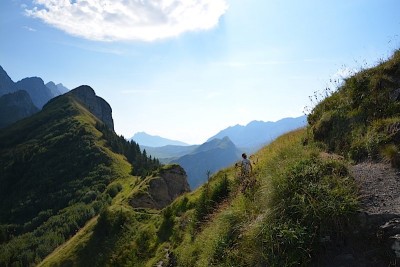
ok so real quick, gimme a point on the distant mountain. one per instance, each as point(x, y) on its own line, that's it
point(6, 84)
point(256, 134)
point(168, 153)
point(36, 88)
point(144, 139)
point(210, 156)
point(57, 89)
point(15, 106)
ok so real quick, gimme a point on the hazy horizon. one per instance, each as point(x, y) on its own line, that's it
point(186, 70)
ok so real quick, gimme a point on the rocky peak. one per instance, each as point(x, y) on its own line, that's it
point(38, 92)
point(96, 105)
point(160, 190)
point(6, 84)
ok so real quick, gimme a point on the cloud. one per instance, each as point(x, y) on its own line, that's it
point(115, 20)
point(29, 28)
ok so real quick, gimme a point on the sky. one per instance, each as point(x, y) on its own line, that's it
point(186, 69)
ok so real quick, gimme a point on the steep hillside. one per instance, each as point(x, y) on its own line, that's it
point(299, 199)
point(15, 106)
point(6, 84)
point(361, 119)
point(207, 159)
point(58, 171)
point(304, 209)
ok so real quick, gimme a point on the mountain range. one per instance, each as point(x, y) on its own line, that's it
point(148, 140)
point(17, 105)
point(73, 193)
point(257, 134)
point(220, 150)
point(26, 97)
point(207, 159)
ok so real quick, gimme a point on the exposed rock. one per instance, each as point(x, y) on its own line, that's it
point(395, 95)
point(160, 190)
point(96, 105)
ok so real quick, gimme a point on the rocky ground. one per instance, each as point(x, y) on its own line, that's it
point(374, 236)
point(379, 187)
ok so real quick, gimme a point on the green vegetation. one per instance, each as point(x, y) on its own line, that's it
point(361, 119)
point(303, 195)
point(57, 173)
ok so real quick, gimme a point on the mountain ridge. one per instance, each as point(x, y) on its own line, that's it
point(149, 140)
point(208, 158)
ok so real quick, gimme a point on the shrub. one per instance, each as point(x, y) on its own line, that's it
point(114, 189)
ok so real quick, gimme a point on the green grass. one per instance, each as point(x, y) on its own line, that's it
point(357, 120)
point(58, 171)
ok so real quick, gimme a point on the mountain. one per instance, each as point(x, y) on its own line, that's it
point(19, 105)
point(169, 152)
point(306, 207)
point(6, 84)
point(60, 168)
point(145, 139)
point(15, 106)
point(208, 157)
point(36, 88)
point(57, 89)
point(258, 133)
point(96, 105)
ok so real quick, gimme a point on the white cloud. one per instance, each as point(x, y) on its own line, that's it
point(29, 28)
point(112, 20)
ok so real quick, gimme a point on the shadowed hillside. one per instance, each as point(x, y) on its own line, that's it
point(58, 169)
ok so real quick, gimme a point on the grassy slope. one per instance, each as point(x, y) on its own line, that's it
point(55, 161)
point(299, 197)
point(360, 119)
point(302, 196)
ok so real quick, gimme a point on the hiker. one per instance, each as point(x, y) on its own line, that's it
point(246, 168)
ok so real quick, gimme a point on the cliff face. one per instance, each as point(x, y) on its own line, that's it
point(96, 105)
point(162, 189)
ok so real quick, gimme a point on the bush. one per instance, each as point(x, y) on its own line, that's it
point(114, 189)
point(311, 198)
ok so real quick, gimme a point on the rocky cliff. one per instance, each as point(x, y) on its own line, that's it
point(96, 105)
point(161, 189)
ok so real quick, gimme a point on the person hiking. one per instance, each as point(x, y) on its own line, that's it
point(246, 167)
point(246, 173)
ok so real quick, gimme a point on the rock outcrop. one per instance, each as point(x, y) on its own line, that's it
point(96, 105)
point(161, 189)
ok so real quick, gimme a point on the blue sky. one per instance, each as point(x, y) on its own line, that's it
point(186, 69)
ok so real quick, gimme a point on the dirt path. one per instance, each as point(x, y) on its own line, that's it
point(379, 187)
point(370, 242)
